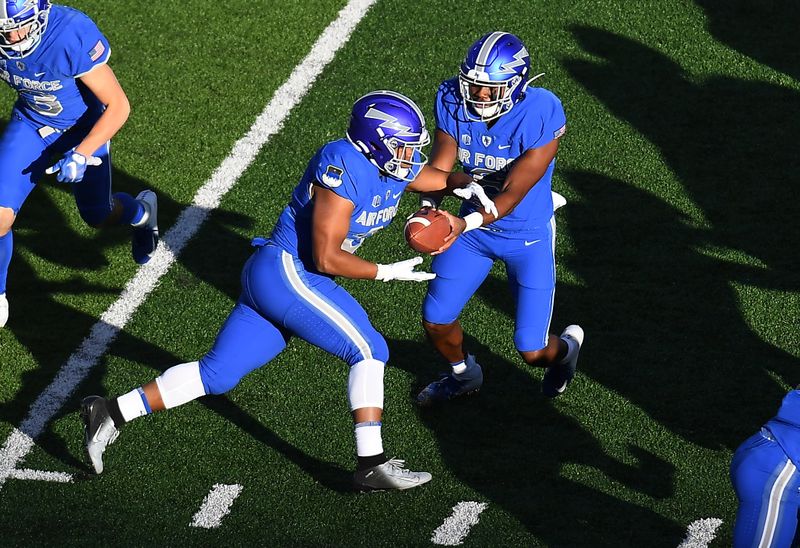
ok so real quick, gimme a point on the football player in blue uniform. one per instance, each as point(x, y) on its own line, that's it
point(506, 135)
point(70, 104)
point(350, 190)
point(765, 476)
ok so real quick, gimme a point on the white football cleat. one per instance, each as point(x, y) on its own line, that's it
point(389, 475)
point(98, 428)
point(3, 309)
point(558, 200)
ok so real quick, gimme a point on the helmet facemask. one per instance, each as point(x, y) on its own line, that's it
point(500, 95)
point(401, 165)
point(35, 25)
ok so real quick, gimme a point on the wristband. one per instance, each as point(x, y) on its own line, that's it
point(428, 201)
point(474, 220)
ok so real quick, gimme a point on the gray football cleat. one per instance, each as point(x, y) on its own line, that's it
point(145, 236)
point(99, 429)
point(558, 376)
point(389, 475)
point(450, 386)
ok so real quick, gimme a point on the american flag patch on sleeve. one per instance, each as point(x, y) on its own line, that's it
point(97, 51)
point(559, 132)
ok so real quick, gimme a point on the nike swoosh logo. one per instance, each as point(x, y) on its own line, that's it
point(527, 243)
point(39, 74)
point(396, 196)
point(501, 147)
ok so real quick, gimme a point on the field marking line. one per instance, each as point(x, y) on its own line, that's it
point(207, 198)
point(455, 528)
point(216, 505)
point(700, 533)
point(41, 475)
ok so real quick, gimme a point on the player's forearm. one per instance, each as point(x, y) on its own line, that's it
point(458, 179)
point(347, 265)
point(106, 127)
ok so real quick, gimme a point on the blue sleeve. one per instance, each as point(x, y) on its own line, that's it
point(553, 121)
point(331, 172)
point(444, 119)
point(88, 47)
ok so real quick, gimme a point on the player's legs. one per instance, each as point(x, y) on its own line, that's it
point(245, 342)
point(530, 265)
point(766, 483)
point(459, 272)
point(23, 159)
point(99, 208)
point(316, 309)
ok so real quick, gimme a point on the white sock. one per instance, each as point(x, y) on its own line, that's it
point(180, 384)
point(459, 367)
point(368, 439)
point(131, 405)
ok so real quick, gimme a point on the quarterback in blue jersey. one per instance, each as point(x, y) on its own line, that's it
point(350, 190)
point(69, 106)
point(765, 476)
point(505, 134)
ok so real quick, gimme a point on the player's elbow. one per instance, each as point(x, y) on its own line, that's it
point(124, 108)
point(325, 263)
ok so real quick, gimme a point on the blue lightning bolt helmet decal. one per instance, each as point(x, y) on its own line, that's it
point(389, 129)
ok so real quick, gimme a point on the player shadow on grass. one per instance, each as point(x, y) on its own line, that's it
point(50, 344)
point(512, 445)
point(662, 300)
point(764, 31)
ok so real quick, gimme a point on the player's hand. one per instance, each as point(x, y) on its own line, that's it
point(403, 270)
point(72, 166)
point(474, 190)
point(457, 226)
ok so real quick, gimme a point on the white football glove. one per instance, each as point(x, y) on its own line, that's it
point(474, 190)
point(72, 166)
point(403, 270)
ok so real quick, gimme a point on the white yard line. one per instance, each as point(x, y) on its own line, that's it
point(28, 474)
point(456, 528)
point(700, 533)
point(103, 333)
point(216, 506)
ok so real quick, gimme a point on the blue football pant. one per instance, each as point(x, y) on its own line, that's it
point(24, 156)
point(767, 485)
point(530, 266)
point(280, 299)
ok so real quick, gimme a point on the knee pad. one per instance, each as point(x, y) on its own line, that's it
point(180, 384)
point(365, 384)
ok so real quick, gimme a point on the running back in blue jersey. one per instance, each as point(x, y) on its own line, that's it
point(341, 168)
point(536, 119)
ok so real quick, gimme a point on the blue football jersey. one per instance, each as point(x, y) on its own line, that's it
point(49, 93)
point(535, 120)
point(785, 426)
point(341, 168)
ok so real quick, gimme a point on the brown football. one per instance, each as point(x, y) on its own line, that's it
point(426, 230)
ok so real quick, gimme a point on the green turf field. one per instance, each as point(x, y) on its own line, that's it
point(676, 254)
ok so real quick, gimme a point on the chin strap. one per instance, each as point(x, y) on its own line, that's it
point(534, 78)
